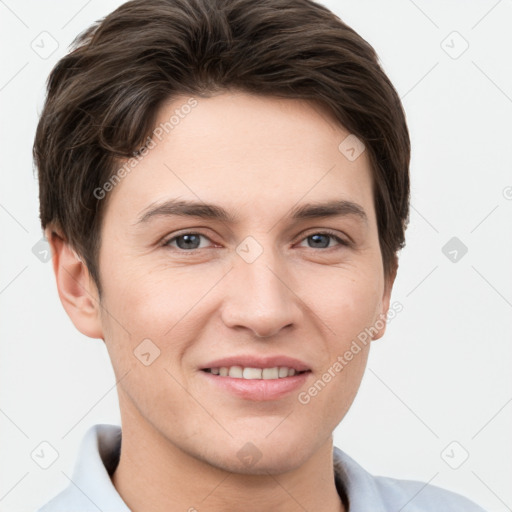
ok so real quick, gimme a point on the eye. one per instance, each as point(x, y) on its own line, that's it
point(191, 241)
point(187, 241)
point(322, 240)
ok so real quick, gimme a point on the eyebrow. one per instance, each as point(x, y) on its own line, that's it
point(202, 210)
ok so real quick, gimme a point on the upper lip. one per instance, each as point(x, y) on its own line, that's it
point(248, 361)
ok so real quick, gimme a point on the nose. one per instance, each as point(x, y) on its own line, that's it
point(260, 297)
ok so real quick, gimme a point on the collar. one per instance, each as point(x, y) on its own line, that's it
point(91, 489)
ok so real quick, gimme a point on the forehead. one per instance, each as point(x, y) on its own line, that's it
point(240, 150)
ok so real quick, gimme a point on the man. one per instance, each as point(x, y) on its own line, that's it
point(224, 185)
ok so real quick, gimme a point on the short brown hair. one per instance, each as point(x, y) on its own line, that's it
point(103, 97)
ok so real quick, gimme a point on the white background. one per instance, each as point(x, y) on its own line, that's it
point(441, 373)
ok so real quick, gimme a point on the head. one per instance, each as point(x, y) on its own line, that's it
point(225, 179)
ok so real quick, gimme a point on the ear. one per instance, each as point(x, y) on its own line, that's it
point(381, 321)
point(77, 290)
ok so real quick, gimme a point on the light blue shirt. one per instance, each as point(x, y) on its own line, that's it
point(91, 488)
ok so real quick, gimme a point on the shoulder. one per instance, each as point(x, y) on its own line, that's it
point(90, 487)
point(382, 494)
point(414, 496)
point(68, 499)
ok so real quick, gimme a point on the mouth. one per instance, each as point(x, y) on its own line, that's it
point(255, 377)
point(250, 373)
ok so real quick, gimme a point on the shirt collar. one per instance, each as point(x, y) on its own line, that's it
point(91, 488)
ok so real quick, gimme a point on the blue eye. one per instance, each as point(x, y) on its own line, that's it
point(191, 241)
point(322, 240)
point(187, 241)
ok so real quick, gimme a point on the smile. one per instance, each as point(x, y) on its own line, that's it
point(239, 372)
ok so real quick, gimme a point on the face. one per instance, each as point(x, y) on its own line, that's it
point(216, 254)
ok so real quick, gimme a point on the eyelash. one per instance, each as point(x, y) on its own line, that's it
point(333, 235)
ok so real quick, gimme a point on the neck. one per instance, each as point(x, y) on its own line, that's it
point(155, 474)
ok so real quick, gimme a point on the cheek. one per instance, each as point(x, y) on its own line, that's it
point(168, 307)
point(155, 298)
point(148, 334)
point(347, 301)
point(349, 305)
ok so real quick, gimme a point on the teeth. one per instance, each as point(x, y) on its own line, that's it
point(238, 372)
point(283, 372)
point(252, 373)
point(270, 373)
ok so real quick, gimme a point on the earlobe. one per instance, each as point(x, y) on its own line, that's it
point(77, 291)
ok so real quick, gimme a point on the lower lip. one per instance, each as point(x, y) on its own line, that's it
point(258, 389)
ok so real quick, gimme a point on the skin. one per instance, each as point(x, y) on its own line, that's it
point(257, 157)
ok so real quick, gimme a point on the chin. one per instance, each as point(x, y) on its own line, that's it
point(260, 455)
point(278, 462)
